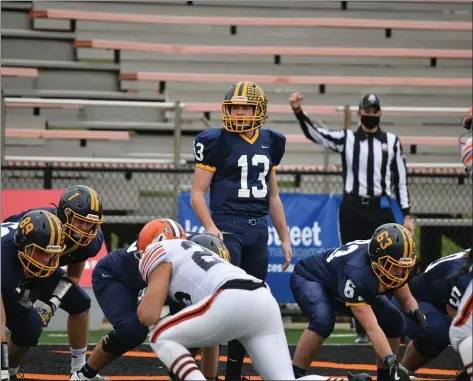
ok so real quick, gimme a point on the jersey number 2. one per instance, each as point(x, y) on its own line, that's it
point(244, 192)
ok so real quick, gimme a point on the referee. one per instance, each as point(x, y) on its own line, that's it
point(373, 164)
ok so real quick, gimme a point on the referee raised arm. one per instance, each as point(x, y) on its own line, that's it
point(373, 165)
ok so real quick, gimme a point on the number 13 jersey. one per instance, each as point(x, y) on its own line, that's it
point(196, 271)
point(242, 168)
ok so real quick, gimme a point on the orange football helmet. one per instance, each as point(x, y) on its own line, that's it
point(159, 230)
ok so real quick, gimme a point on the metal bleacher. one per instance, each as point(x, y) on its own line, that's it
point(419, 57)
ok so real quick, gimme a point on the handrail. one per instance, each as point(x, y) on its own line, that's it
point(411, 109)
point(328, 22)
point(93, 102)
point(167, 106)
point(142, 161)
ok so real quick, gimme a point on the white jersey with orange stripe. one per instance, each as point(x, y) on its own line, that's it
point(196, 272)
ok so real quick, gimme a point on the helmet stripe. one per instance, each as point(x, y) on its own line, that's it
point(59, 230)
point(173, 227)
point(96, 201)
point(405, 254)
point(245, 89)
point(237, 89)
point(52, 237)
point(94, 204)
point(92, 200)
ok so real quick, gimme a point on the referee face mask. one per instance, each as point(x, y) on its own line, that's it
point(370, 118)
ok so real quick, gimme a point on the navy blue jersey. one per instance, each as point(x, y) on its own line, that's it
point(345, 271)
point(73, 253)
point(12, 269)
point(123, 266)
point(436, 286)
point(242, 168)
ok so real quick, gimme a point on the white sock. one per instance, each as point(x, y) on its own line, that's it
point(77, 358)
point(178, 360)
point(13, 371)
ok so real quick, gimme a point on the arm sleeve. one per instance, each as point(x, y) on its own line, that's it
point(205, 151)
point(278, 148)
point(334, 140)
point(154, 255)
point(400, 178)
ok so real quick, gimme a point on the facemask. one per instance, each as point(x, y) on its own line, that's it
point(370, 121)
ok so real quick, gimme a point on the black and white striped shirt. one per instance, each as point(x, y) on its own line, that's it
point(372, 164)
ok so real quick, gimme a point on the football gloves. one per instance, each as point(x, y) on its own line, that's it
point(397, 372)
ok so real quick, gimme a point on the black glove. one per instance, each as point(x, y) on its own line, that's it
point(419, 318)
point(359, 377)
point(396, 371)
point(24, 303)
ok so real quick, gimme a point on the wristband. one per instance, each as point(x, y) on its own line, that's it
point(61, 290)
point(4, 356)
point(389, 355)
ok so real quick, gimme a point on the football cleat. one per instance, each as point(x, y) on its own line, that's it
point(78, 376)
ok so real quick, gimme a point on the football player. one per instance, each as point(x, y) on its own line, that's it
point(461, 328)
point(438, 291)
point(224, 303)
point(80, 211)
point(117, 285)
point(30, 250)
point(238, 162)
point(351, 281)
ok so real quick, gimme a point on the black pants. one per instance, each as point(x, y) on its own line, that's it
point(358, 219)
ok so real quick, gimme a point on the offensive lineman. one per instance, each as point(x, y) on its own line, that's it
point(81, 213)
point(224, 303)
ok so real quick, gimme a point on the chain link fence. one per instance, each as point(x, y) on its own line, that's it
point(132, 194)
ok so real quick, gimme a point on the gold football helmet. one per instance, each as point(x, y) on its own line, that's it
point(244, 94)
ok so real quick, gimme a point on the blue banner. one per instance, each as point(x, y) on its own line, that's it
point(312, 221)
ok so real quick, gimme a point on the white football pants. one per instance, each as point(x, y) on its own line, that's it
point(251, 317)
point(460, 330)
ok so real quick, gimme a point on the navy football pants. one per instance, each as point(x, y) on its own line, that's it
point(436, 334)
point(247, 244)
point(119, 304)
point(320, 305)
point(25, 325)
point(74, 302)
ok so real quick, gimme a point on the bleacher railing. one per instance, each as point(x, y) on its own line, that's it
point(175, 107)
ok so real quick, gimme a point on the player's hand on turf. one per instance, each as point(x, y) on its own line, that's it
point(46, 312)
point(287, 250)
point(216, 232)
point(419, 318)
point(295, 100)
point(359, 377)
point(397, 372)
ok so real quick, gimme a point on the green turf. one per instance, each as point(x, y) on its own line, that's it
point(60, 337)
point(347, 336)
